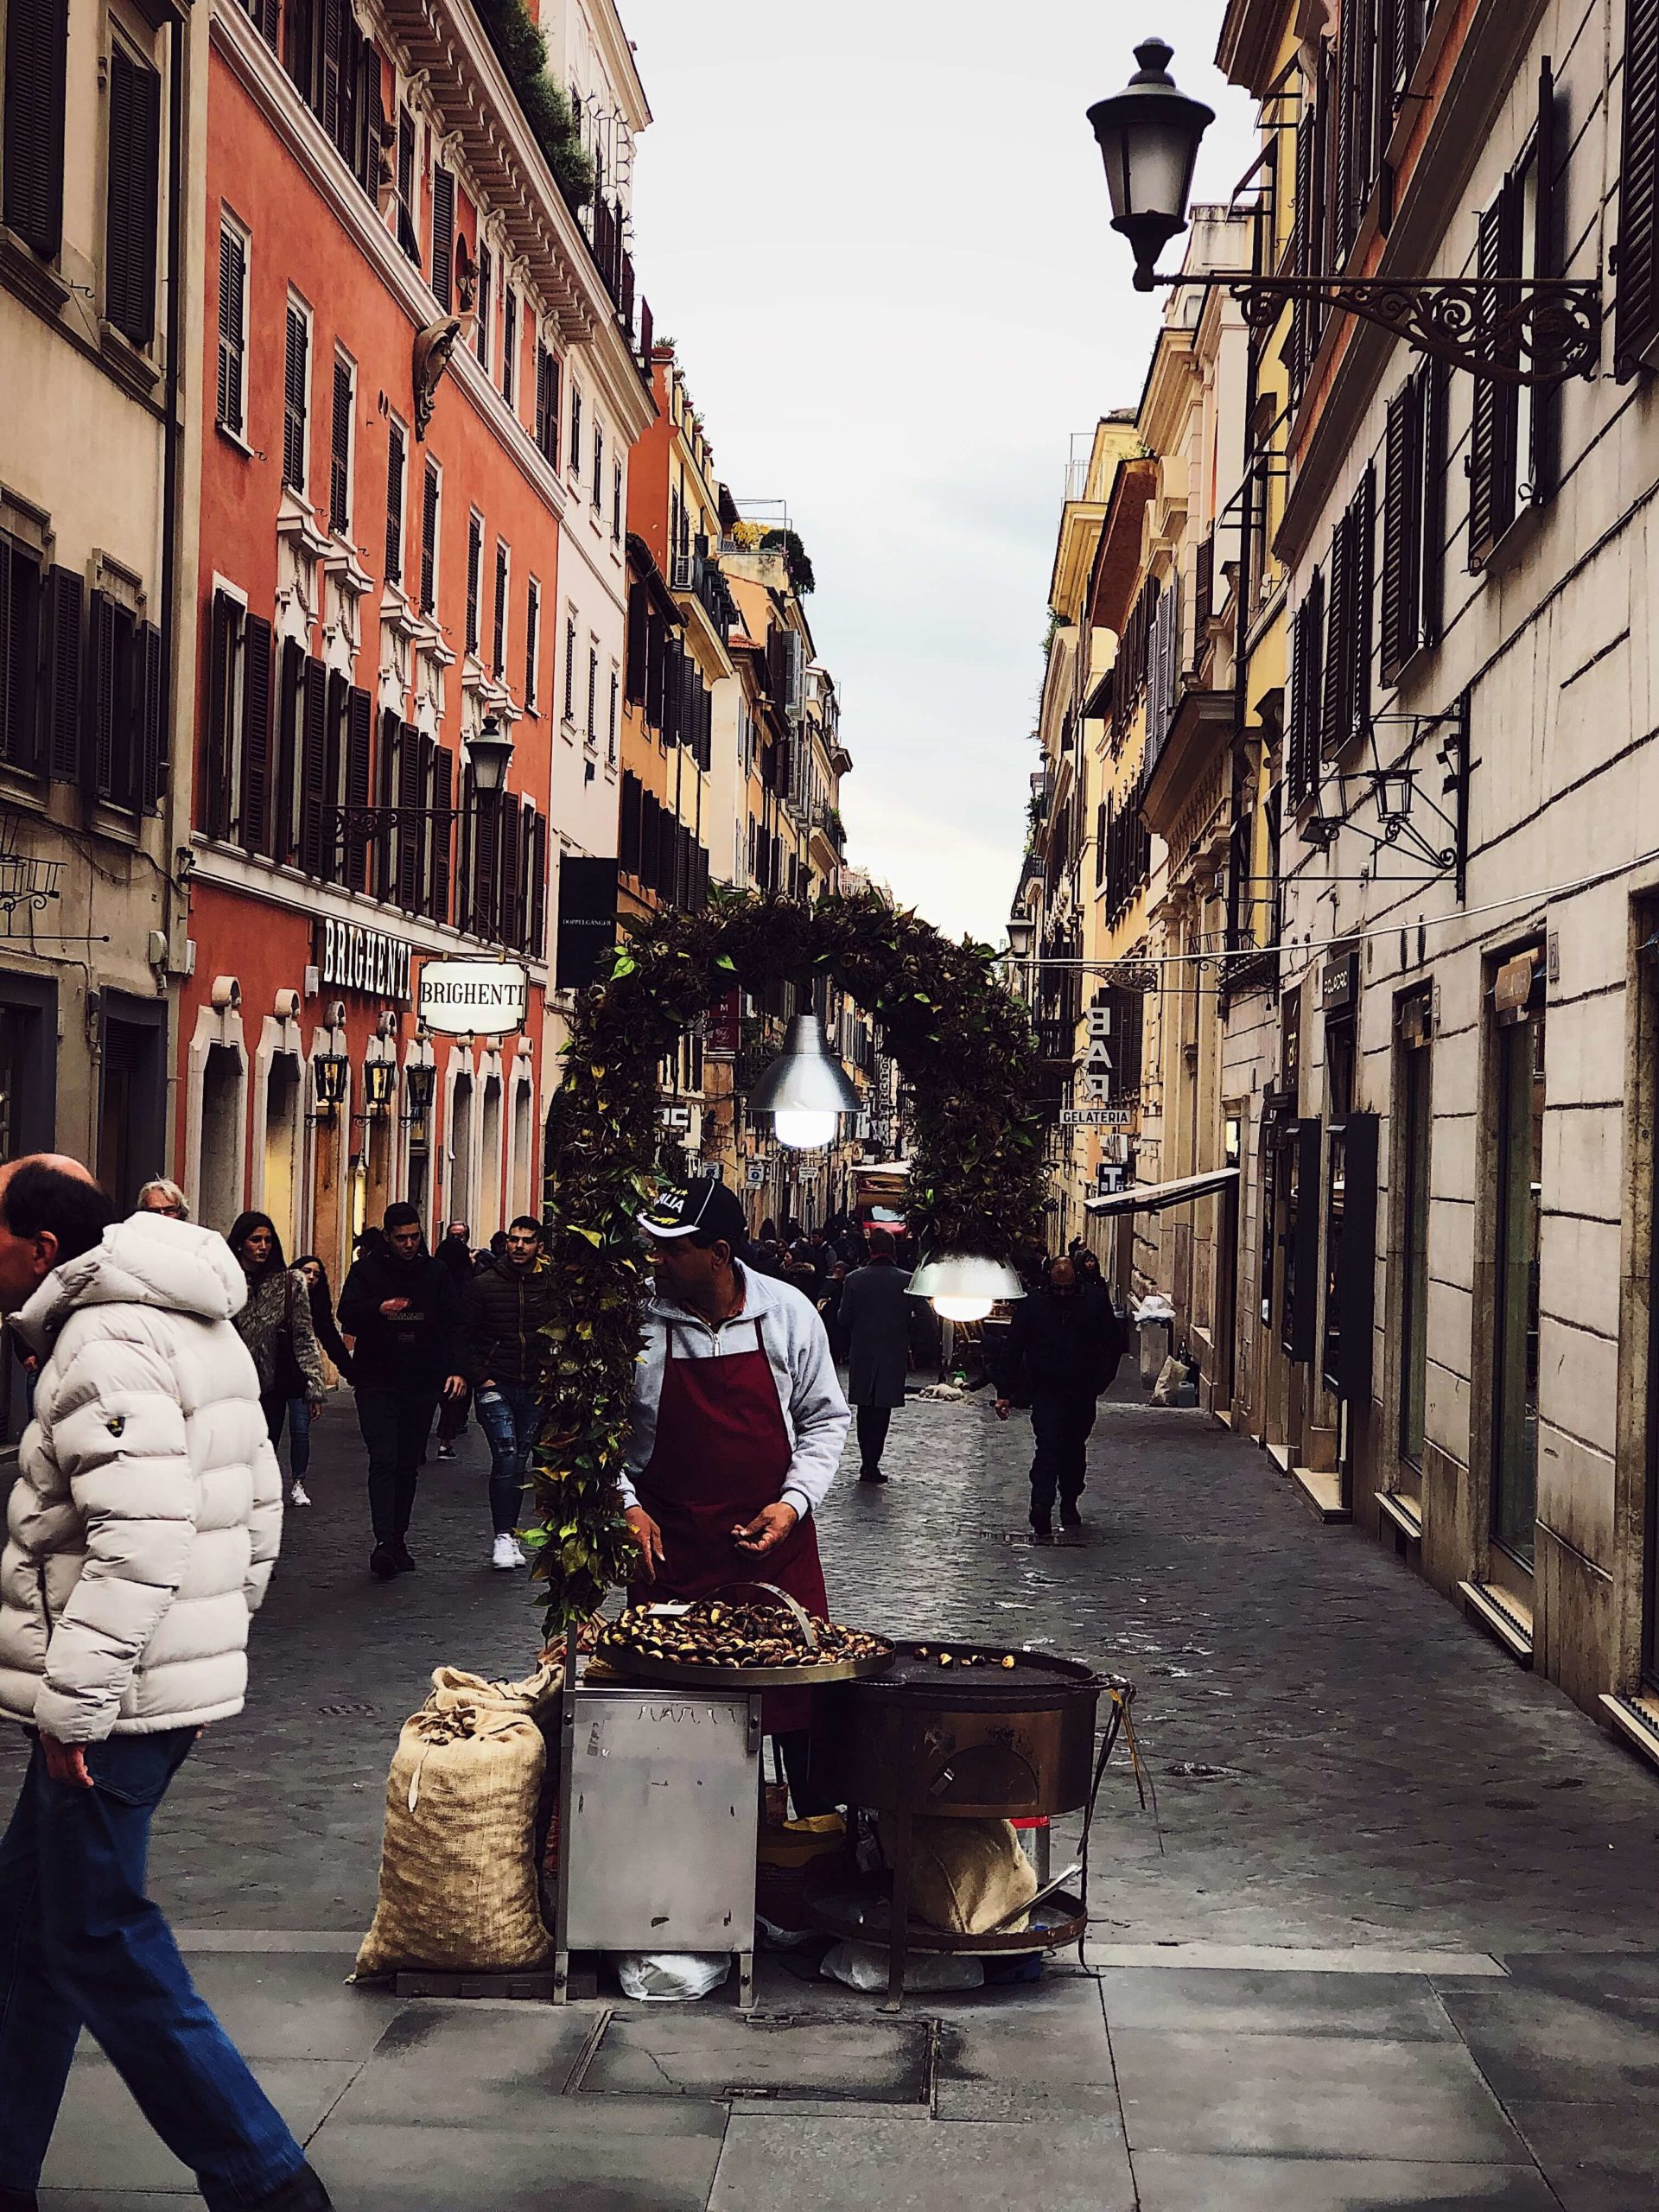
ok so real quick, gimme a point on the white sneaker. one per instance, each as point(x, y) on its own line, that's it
point(506, 1553)
point(446, 1451)
point(298, 1494)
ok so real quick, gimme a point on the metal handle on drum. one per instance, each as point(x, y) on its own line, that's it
point(803, 1619)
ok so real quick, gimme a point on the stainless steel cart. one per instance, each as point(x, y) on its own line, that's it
point(659, 1798)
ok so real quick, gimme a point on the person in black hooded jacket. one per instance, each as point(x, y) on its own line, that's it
point(1060, 1352)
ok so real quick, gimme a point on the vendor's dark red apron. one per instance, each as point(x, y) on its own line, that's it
point(721, 1455)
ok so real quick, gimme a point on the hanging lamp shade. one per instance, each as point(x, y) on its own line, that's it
point(964, 1286)
point(806, 1089)
point(1148, 136)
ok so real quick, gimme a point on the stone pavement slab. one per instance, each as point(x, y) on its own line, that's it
point(1309, 2096)
point(1402, 2007)
point(877, 2164)
point(1176, 2182)
point(1037, 2053)
point(472, 2064)
point(103, 2143)
point(1597, 2157)
point(532, 2163)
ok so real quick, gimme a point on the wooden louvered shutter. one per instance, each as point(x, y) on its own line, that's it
point(290, 693)
point(1636, 314)
point(443, 832)
point(232, 276)
point(537, 946)
point(148, 653)
point(334, 13)
point(409, 827)
point(1309, 219)
point(474, 561)
point(499, 636)
point(254, 824)
point(510, 921)
point(1362, 539)
point(1402, 489)
point(1491, 437)
point(20, 631)
point(132, 196)
point(386, 788)
point(1301, 762)
point(628, 826)
point(1544, 408)
point(429, 541)
point(1433, 379)
point(443, 236)
point(339, 452)
point(360, 736)
point(1333, 696)
point(31, 139)
point(395, 461)
point(487, 836)
point(296, 376)
point(99, 758)
point(299, 43)
point(314, 767)
point(334, 769)
point(264, 14)
point(61, 640)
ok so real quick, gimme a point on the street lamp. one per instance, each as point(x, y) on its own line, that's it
point(379, 1082)
point(1148, 136)
point(806, 1089)
point(1393, 789)
point(1516, 330)
point(488, 751)
point(332, 1074)
point(964, 1286)
point(1021, 930)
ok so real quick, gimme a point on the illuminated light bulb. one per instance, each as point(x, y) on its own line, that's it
point(802, 1128)
point(961, 1309)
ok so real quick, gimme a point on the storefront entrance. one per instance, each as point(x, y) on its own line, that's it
point(1517, 1171)
point(132, 1096)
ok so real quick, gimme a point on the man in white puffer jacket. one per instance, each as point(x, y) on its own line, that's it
point(141, 1528)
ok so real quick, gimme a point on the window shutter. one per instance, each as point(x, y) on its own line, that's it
point(254, 824)
point(480, 920)
point(547, 404)
point(359, 732)
point(1636, 307)
point(532, 641)
point(19, 634)
point(407, 237)
point(499, 641)
point(152, 753)
point(1544, 411)
point(1301, 753)
point(409, 830)
point(61, 625)
point(1361, 539)
point(395, 467)
point(314, 767)
point(1327, 734)
point(443, 237)
point(290, 697)
point(334, 41)
point(509, 345)
point(481, 328)
point(339, 452)
point(538, 945)
point(1402, 528)
point(1491, 437)
point(31, 143)
point(474, 559)
point(386, 767)
point(232, 272)
point(296, 360)
point(1433, 379)
point(1343, 182)
point(336, 703)
point(510, 922)
point(628, 824)
point(1308, 223)
point(443, 783)
point(99, 759)
point(299, 44)
point(132, 197)
point(429, 541)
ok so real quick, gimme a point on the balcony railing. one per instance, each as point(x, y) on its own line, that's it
point(698, 575)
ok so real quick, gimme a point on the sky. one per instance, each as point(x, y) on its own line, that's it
point(878, 232)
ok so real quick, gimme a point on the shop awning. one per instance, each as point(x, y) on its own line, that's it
point(1153, 1198)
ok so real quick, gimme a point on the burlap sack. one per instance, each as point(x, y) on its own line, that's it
point(965, 1875)
point(458, 1887)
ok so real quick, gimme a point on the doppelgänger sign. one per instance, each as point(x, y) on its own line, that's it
point(475, 998)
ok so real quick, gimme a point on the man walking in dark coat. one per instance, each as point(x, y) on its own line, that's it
point(874, 1316)
point(1061, 1352)
point(404, 1309)
point(507, 1305)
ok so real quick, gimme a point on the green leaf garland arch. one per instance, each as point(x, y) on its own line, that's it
point(962, 1041)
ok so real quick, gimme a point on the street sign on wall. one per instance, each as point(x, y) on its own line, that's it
point(586, 920)
point(475, 998)
point(1096, 1117)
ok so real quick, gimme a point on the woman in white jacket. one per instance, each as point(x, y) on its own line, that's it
point(141, 1532)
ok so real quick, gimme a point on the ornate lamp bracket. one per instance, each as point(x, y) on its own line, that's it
point(1518, 330)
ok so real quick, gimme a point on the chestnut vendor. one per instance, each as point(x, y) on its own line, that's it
point(736, 1427)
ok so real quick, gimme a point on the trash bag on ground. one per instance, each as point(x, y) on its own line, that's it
point(671, 1977)
point(1172, 1380)
point(458, 1889)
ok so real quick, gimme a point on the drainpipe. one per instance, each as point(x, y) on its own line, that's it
point(175, 193)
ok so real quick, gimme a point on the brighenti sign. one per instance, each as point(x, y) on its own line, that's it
point(473, 998)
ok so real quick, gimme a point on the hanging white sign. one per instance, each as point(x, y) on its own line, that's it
point(474, 998)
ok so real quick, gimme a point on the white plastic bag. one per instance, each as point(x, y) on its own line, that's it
point(864, 1966)
point(671, 1977)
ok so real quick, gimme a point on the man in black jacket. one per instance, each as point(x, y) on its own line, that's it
point(506, 1305)
point(1061, 1352)
point(404, 1309)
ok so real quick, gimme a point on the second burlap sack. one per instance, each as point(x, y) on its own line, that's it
point(966, 1876)
point(458, 1888)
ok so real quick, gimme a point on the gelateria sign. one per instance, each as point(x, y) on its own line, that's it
point(473, 998)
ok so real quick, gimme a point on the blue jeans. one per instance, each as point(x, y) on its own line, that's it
point(81, 1944)
point(508, 1415)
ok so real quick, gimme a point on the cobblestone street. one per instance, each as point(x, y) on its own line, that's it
point(1391, 1937)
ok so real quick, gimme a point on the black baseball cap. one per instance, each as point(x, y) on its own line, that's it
point(706, 1208)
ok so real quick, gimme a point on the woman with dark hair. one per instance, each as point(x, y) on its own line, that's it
point(276, 1327)
point(330, 1341)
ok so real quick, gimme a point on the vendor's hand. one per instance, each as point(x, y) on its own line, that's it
point(392, 1305)
point(769, 1528)
point(1000, 1407)
point(649, 1537)
point(66, 1761)
point(454, 1386)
